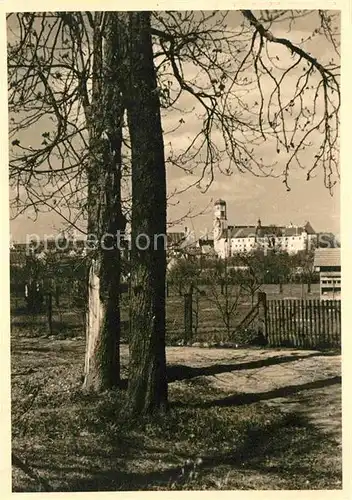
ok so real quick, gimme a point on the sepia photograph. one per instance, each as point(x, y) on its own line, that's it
point(175, 250)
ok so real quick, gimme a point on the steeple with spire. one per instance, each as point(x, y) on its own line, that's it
point(220, 218)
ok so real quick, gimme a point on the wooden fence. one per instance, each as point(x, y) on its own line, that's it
point(286, 322)
point(303, 323)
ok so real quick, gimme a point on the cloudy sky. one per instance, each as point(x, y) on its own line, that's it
point(248, 197)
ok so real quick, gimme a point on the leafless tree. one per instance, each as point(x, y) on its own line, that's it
point(240, 92)
point(256, 95)
point(226, 293)
point(242, 95)
point(147, 383)
point(62, 81)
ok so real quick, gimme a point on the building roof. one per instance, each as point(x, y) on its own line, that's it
point(263, 231)
point(308, 228)
point(243, 232)
point(238, 232)
point(327, 257)
point(292, 231)
point(175, 237)
point(220, 202)
point(247, 231)
point(206, 242)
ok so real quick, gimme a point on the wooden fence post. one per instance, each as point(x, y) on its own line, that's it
point(188, 318)
point(34, 296)
point(262, 317)
point(50, 311)
point(57, 295)
point(195, 313)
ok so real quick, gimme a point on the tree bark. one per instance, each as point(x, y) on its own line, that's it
point(147, 386)
point(105, 218)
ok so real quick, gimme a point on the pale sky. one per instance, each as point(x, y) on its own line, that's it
point(248, 197)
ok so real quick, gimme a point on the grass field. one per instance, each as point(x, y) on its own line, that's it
point(279, 430)
point(248, 420)
point(68, 321)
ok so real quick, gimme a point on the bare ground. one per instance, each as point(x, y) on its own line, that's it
point(307, 382)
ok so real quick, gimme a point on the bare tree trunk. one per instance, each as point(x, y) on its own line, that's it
point(105, 218)
point(147, 387)
point(93, 322)
point(102, 364)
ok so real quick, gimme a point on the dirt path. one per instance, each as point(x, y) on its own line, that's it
point(307, 382)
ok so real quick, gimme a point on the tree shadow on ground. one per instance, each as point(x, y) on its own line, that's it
point(117, 458)
point(184, 372)
point(249, 398)
point(281, 450)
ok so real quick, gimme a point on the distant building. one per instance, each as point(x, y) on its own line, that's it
point(17, 258)
point(180, 242)
point(176, 240)
point(206, 247)
point(176, 243)
point(327, 261)
point(229, 240)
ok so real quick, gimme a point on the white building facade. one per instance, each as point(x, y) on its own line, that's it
point(229, 240)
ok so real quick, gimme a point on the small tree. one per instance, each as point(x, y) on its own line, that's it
point(34, 273)
point(253, 277)
point(184, 275)
point(227, 298)
point(305, 260)
point(278, 266)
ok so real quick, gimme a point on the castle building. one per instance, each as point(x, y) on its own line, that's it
point(229, 240)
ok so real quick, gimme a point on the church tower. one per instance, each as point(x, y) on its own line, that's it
point(220, 218)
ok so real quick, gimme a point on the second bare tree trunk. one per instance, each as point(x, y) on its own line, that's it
point(147, 386)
